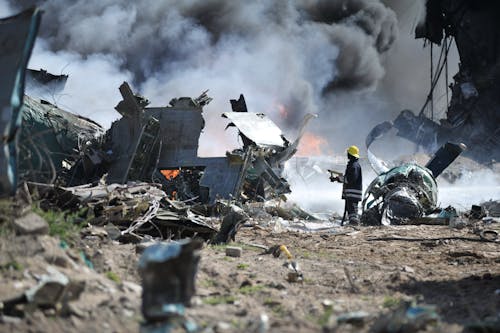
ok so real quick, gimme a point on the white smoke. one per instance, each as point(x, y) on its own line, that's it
point(299, 54)
point(471, 188)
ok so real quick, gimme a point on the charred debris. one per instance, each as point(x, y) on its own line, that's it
point(144, 174)
point(473, 104)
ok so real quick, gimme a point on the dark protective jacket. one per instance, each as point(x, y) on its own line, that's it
point(353, 181)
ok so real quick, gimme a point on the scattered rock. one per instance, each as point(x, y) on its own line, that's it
point(9, 320)
point(327, 303)
point(233, 251)
point(293, 277)
point(222, 327)
point(132, 287)
point(277, 285)
point(31, 224)
point(408, 269)
point(76, 311)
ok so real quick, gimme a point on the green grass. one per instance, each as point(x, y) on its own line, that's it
point(6, 216)
point(218, 247)
point(113, 277)
point(64, 225)
point(250, 290)
point(242, 266)
point(12, 265)
point(208, 283)
point(276, 307)
point(219, 299)
point(390, 302)
point(322, 319)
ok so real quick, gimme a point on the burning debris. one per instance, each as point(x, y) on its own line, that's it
point(143, 182)
point(156, 145)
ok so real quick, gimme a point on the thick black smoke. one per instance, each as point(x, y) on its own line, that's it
point(300, 54)
point(150, 36)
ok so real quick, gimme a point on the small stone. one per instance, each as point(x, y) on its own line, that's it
point(293, 277)
point(233, 251)
point(276, 285)
point(408, 269)
point(31, 224)
point(357, 318)
point(9, 320)
point(327, 303)
point(222, 327)
point(128, 313)
point(50, 312)
point(76, 311)
point(242, 312)
point(132, 287)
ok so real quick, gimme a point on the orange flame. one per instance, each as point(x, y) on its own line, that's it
point(311, 145)
point(170, 174)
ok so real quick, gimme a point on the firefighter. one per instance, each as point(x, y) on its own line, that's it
point(352, 185)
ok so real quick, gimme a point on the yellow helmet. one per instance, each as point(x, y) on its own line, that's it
point(353, 151)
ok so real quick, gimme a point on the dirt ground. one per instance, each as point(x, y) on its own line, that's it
point(346, 269)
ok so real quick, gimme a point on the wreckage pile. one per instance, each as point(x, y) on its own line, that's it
point(142, 182)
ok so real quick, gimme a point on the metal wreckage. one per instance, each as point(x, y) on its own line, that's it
point(473, 111)
point(72, 160)
point(405, 193)
point(408, 192)
point(158, 146)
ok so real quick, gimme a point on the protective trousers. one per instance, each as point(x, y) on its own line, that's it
point(352, 210)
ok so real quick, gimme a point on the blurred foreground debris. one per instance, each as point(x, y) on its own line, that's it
point(407, 318)
point(168, 273)
point(17, 37)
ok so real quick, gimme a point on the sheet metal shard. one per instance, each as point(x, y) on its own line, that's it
point(257, 127)
point(17, 36)
point(43, 84)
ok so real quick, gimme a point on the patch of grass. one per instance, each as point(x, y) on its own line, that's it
point(247, 247)
point(208, 283)
point(219, 299)
point(237, 324)
point(250, 290)
point(319, 253)
point(6, 216)
point(12, 265)
point(276, 307)
point(308, 281)
point(113, 277)
point(242, 266)
point(218, 247)
point(322, 319)
point(62, 224)
point(390, 302)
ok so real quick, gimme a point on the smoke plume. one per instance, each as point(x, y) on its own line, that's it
point(299, 54)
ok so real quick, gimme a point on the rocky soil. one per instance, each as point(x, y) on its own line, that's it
point(345, 270)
